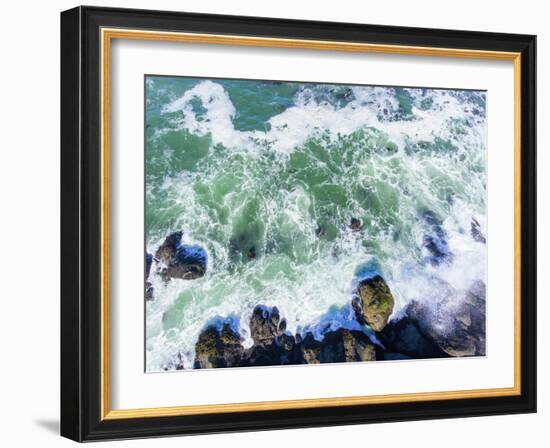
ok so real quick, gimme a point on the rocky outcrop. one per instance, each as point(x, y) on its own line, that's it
point(456, 325)
point(403, 339)
point(266, 325)
point(218, 348)
point(345, 345)
point(179, 260)
point(275, 346)
point(453, 327)
point(374, 302)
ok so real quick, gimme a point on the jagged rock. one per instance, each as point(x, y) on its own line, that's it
point(265, 325)
point(345, 345)
point(475, 231)
point(167, 250)
point(281, 351)
point(403, 339)
point(218, 349)
point(309, 350)
point(374, 302)
point(456, 325)
point(181, 260)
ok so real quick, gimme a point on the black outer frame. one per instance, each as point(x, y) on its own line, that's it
point(81, 207)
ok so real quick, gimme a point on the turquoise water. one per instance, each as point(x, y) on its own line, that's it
point(267, 176)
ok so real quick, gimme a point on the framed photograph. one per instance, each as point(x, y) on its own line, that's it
point(275, 224)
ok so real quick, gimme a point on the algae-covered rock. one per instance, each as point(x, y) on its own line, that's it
point(218, 348)
point(374, 302)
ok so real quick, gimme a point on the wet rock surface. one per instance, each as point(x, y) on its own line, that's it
point(374, 302)
point(149, 290)
point(403, 339)
point(435, 245)
point(218, 348)
point(456, 326)
point(180, 260)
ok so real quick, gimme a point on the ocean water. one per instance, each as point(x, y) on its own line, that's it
point(278, 170)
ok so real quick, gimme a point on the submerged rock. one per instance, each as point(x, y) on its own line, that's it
point(181, 260)
point(218, 348)
point(374, 303)
point(476, 233)
point(149, 290)
point(355, 224)
point(435, 241)
point(148, 263)
point(456, 325)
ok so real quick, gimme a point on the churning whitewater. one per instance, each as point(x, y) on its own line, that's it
point(290, 195)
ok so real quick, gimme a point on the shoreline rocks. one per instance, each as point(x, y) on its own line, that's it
point(422, 331)
point(273, 346)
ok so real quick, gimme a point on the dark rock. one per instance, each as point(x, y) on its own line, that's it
point(355, 224)
point(435, 241)
point(403, 339)
point(167, 250)
point(345, 345)
point(476, 233)
point(149, 291)
point(374, 302)
point(320, 230)
point(282, 351)
point(251, 254)
point(309, 350)
point(264, 325)
point(181, 260)
point(148, 263)
point(218, 349)
point(456, 326)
